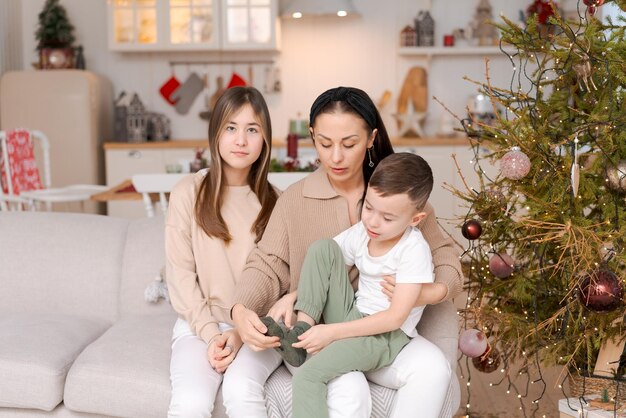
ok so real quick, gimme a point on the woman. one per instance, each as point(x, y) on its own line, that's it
point(350, 139)
point(214, 219)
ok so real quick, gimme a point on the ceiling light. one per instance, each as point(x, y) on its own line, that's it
point(316, 8)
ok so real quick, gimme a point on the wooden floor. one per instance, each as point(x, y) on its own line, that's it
point(489, 400)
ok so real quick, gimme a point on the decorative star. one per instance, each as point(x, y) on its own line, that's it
point(411, 121)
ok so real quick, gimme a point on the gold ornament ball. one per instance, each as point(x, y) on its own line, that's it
point(616, 176)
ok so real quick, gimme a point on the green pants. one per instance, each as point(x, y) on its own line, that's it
point(325, 291)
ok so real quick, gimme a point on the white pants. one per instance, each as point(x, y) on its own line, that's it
point(421, 374)
point(194, 382)
point(242, 390)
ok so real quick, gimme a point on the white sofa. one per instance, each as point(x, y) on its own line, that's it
point(77, 338)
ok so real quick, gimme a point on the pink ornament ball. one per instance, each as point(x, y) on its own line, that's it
point(472, 343)
point(501, 265)
point(514, 165)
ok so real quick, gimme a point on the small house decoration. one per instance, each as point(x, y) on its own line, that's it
point(485, 32)
point(425, 29)
point(130, 119)
point(408, 36)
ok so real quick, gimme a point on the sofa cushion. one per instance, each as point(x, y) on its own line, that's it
point(144, 257)
point(125, 373)
point(61, 262)
point(36, 353)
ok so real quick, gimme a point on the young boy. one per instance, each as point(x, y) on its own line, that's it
point(362, 331)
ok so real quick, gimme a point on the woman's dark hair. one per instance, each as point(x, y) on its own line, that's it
point(357, 102)
point(210, 196)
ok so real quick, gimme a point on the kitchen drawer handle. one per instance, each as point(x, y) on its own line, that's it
point(134, 153)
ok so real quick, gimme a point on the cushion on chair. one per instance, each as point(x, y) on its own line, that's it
point(21, 162)
point(36, 352)
point(124, 373)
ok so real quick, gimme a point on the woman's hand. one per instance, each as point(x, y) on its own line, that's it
point(223, 349)
point(283, 309)
point(252, 330)
point(431, 292)
point(316, 338)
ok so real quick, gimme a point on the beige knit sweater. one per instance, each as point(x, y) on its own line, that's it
point(307, 211)
point(201, 271)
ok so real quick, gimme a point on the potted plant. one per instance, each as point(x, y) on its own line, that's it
point(55, 36)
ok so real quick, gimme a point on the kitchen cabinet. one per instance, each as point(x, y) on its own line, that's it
point(193, 25)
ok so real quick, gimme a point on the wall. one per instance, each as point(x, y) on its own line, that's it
point(316, 54)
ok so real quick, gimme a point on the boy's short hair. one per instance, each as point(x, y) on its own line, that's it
point(402, 173)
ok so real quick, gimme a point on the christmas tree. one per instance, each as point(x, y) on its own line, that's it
point(546, 252)
point(55, 29)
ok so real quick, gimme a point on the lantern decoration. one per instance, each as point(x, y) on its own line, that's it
point(601, 291)
point(514, 165)
point(473, 343)
point(501, 265)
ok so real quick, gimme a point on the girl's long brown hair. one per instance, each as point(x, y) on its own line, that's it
point(210, 195)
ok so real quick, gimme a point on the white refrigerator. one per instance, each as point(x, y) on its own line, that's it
point(73, 108)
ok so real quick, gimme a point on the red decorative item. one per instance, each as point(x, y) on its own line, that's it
point(601, 291)
point(596, 3)
point(22, 164)
point(169, 87)
point(543, 10)
point(471, 229)
point(236, 81)
point(488, 362)
point(501, 265)
point(292, 146)
point(592, 10)
point(448, 40)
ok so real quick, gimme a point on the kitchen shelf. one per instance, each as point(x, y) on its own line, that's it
point(430, 51)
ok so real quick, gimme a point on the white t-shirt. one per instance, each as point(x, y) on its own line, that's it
point(410, 261)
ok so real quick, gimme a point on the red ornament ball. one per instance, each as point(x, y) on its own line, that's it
point(601, 291)
point(472, 343)
point(514, 165)
point(501, 265)
point(593, 2)
point(471, 229)
point(592, 10)
point(488, 362)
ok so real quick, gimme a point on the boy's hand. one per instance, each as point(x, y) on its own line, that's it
point(283, 309)
point(316, 338)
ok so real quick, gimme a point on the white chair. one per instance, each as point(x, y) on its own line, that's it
point(155, 183)
point(31, 198)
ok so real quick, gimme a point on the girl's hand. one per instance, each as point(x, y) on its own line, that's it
point(223, 349)
point(389, 285)
point(251, 329)
point(316, 338)
point(283, 309)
